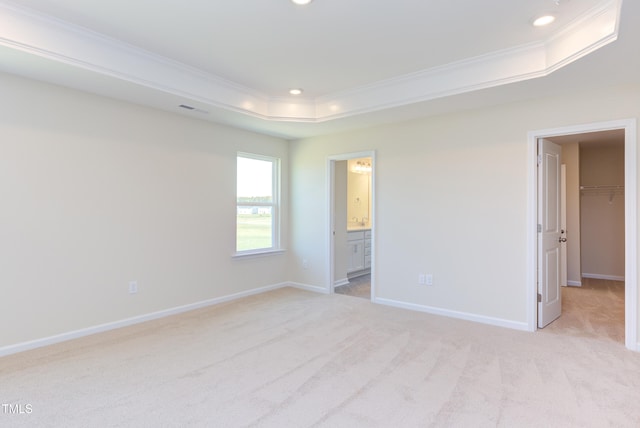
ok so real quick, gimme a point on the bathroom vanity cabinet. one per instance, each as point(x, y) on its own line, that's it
point(359, 250)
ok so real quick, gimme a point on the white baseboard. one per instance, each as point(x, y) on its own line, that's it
point(341, 282)
point(308, 287)
point(357, 273)
point(38, 343)
point(574, 283)
point(598, 276)
point(455, 314)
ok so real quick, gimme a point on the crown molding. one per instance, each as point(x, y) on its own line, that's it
point(583, 36)
point(57, 40)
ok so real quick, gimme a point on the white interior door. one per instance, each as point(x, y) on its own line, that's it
point(549, 232)
point(563, 225)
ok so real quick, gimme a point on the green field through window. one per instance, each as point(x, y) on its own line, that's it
point(254, 231)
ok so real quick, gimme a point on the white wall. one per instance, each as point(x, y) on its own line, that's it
point(451, 200)
point(97, 192)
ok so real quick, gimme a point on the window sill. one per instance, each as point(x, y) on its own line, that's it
point(257, 253)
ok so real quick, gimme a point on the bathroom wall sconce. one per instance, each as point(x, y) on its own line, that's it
point(361, 167)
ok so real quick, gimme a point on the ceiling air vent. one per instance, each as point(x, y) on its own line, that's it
point(199, 110)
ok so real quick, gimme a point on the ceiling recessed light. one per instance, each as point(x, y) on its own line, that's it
point(543, 20)
point(301, 2)
point(295, 91)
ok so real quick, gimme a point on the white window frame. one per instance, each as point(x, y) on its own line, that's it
point(275, 207)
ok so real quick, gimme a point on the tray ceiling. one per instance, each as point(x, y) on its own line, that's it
point(234, 61)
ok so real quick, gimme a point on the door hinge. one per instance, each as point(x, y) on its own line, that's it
point(539, 159)
point(539, 297)
point(539, 228)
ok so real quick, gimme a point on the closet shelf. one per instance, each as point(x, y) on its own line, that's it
point(609, 190)
point(605, 187)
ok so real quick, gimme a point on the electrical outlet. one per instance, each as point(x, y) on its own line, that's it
point(133, 287)
point(305, 264)
point(422, 279)
point(429, 279)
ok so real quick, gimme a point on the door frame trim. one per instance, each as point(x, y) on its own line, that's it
point(631, 240)
point(331, 162)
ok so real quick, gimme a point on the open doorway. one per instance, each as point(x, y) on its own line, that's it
point(351, 224)
point(587, 265)
point(592, 226)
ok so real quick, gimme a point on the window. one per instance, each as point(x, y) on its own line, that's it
point(257, 204)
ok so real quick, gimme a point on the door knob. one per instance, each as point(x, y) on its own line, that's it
point(561, 239)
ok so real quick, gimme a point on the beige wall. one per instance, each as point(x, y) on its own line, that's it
point(358, 196)
point(451, 200)
point(571, 158)
point(602, 212)
point(341, 261)
point(96, 193)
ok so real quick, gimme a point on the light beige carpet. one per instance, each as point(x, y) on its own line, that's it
point(291, 358)
point(594, 310)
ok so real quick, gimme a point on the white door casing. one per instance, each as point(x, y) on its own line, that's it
point(549, 232)
point(630, 219)
point(330, 269)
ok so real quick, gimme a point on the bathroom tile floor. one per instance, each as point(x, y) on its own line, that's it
point(359, 286)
